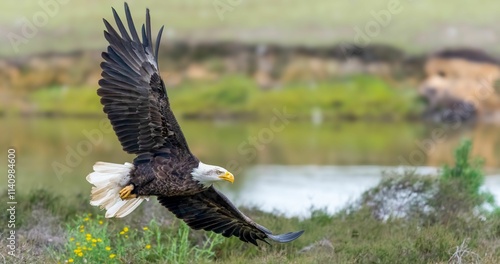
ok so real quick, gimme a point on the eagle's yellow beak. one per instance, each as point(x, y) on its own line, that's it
point(227, 177)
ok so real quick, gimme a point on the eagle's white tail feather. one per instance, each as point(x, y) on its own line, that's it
point(123, 208)
point(108, 179)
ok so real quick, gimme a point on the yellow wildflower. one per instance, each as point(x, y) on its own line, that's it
point(99, 240)
point(108, 248)
point(81, 230)
point(94, 244)
point(81, 227)
point(125, 229)
point(80, 254)
point(112, 256)
point(70, 260)
point(148, 246)
point(145, 228)
point(71, 239)
point(101, 222)
point(126, 236)
point(77, 243)
point(85, 219)
point(94, 240)
point(122, 233)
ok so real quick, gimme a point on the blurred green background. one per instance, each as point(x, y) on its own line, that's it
point(356, 112)
point(420, 26)
point(307, 103)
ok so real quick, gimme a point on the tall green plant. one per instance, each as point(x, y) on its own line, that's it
point(467, 176)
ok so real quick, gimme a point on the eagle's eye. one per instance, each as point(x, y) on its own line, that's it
point(219, 172)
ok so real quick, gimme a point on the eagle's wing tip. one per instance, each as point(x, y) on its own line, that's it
point(285, 238)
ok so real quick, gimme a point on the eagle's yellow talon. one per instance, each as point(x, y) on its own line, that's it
point(125, 193)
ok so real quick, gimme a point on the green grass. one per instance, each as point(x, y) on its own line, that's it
point(91, 239)
point(358, 97)
point(78, 25)
point(67, 101)
point(451, 232)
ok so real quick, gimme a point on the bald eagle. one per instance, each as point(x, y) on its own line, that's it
point(135, 100)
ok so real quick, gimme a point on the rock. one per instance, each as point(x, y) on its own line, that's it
point(323, 244)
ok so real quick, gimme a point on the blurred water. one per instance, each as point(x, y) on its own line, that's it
point(302, 166)
point(295, 190)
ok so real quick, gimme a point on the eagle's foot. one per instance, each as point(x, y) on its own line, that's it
point(126, 192)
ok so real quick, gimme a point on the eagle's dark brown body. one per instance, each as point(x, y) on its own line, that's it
point(135, 100)
point(165, 177)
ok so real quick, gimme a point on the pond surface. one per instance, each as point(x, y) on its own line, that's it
point(288, 170)
point(274, 188)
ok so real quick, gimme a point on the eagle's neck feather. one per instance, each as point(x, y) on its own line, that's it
point(202, 173)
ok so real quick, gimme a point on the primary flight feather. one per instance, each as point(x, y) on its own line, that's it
point(136, 102)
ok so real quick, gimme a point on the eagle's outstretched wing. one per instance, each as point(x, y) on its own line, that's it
point(212, 211)
point(132, 92)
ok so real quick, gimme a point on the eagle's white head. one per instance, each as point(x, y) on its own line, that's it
point(209, 174)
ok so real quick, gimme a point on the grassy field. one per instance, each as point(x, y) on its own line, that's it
point(440, 221)
point(416, 26)
point(238, 97)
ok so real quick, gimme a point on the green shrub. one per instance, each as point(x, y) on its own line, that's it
point(466, 176)
point(457, 192)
